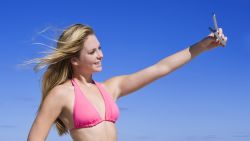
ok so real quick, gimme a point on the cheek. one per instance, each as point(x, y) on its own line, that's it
point(87, 60)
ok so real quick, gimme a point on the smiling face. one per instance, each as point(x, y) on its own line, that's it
point(90, 57)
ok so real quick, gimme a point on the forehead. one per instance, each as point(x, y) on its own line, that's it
point(91, 42)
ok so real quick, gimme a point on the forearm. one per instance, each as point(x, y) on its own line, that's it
point(178, 59)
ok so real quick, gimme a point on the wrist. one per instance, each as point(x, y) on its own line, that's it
point(198, 48)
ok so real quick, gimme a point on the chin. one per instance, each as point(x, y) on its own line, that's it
point(97, 70)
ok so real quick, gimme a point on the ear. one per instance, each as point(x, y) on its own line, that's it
point(74, 61)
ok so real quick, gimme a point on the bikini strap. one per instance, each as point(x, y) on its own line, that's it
point(73, 82)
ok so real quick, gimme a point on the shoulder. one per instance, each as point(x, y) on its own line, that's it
point(108, 89)
point(112, 86)
point(59, 94)
point(59, 91)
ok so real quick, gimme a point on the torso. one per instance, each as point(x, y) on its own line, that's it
point(104, 131)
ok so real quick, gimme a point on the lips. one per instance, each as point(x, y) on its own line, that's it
point(98, 63)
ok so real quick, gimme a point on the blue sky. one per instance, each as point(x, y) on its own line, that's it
point(205, 100)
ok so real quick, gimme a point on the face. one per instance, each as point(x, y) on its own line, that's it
point(90, 56)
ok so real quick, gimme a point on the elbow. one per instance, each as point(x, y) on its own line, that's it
point(163, 69)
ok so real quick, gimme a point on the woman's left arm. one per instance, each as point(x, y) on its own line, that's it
point(125, 84)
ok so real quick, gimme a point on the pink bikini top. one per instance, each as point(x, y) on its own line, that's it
point(85, 114)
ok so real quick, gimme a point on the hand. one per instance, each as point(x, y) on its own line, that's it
point(211, 41)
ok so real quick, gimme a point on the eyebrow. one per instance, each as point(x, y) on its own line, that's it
point(94, 48)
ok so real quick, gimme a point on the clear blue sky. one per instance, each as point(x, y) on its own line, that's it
point(207, 99)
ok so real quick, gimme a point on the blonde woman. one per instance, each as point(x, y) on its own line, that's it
point(79, 105)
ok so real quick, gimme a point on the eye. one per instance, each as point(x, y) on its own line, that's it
point(92, 52)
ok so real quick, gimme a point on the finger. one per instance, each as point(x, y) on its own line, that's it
point(220, 31)
point(222, 36)
point(211, 35)
point(225, 38)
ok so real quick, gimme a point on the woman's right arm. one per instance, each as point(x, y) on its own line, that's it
point(50, 110)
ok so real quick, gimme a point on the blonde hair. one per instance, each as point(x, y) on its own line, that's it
point(58, 64)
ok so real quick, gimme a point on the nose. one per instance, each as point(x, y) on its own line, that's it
point(99, 54)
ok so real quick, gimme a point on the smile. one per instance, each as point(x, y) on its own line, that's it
point(98, 63)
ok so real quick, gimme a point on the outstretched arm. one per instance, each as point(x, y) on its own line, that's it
point(123, 85)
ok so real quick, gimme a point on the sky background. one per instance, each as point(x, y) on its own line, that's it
point(208, 99)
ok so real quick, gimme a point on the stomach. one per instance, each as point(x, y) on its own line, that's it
point(104, 131)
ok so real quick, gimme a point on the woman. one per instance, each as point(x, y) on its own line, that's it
point(83, 107)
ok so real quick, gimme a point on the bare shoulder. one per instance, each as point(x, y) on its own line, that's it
point(109, 89)
point(112, 86)
point(56, 95)
point(60, 93)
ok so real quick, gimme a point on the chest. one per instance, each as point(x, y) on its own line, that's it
point(92, 96)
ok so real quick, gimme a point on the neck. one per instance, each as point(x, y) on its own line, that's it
point(84, 79)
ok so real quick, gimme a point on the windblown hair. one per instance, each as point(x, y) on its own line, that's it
point(59, 68)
